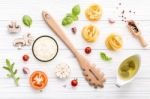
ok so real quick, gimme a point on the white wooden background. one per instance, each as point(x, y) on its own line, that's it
point(15, 9)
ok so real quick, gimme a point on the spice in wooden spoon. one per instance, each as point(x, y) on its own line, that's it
point(136, 32)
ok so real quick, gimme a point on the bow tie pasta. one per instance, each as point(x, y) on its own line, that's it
point(90, 33)
point(94, 12)
point(114, 42)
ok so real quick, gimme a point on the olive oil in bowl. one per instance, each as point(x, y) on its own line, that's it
point(128, 69)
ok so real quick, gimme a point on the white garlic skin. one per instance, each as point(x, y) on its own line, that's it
point(62, 71)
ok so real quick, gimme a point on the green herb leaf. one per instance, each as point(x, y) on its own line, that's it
point(76, 10)
point(8, 75)
point(75, 18)
point(6, 68)
point(12, 66)
point(67, 21)
point(105, 57)
point(27, 20)
point(7, 62)
point(16, 81)
point(15, 72)
point(12, 72)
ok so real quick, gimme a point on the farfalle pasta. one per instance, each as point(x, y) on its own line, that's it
point(90, 33)
point(114, 42)
point(94, 12)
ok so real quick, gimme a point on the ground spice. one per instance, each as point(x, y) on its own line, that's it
point(123, 12)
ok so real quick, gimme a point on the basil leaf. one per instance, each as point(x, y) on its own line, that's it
point(64, 22)
point(76, 10)
point(75, 18)
point(105, 57)
point(67, 21)
point(27, 20)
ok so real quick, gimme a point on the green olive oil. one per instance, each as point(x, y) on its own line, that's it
point(129, 67)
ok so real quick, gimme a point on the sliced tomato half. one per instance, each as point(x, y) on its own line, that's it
point(38, 80)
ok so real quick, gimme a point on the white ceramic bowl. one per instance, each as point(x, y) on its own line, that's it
point(120, 82)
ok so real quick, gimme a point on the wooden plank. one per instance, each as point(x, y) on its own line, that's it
point(39, 28)
point(15, 9)
point(64, 56)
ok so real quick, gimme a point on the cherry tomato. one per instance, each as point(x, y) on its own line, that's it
point(74, 82)
point(88, 50)
point(38, 80)
point(25, 57)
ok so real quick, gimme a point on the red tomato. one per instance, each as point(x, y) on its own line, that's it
point(74, 82)
point(88, 50)
point(38, 80)
point(25, 57)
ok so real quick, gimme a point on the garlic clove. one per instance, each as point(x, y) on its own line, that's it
point(26, 70)
point(62, 70)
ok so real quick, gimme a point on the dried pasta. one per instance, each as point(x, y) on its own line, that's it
point(94, 12)
point(90, 33)
point(114, 42)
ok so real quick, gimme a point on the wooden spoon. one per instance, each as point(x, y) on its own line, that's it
point(92, 75)
point(136, 32)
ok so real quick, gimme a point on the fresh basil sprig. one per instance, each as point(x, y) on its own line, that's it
point(27, 20)
point(12, 72)
point(73, 16)
point(105, 57)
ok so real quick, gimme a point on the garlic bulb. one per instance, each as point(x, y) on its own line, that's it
point(62, 70)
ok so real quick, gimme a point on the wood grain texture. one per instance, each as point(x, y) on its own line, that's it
point(15, 9)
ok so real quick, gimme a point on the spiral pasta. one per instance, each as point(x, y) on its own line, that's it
point(90, 33)
point(94, 12)
point(114, 42)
